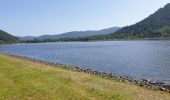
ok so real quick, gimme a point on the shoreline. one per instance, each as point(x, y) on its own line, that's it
point(154, 85)
point(139, 39)
point(136, 39)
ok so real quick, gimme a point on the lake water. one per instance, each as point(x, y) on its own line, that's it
point(139, 59)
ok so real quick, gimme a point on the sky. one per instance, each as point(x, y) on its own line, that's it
point(39, 17)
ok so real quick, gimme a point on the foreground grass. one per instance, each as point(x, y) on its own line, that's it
point(22, 79)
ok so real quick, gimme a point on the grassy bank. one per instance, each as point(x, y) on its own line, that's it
point(22, 79)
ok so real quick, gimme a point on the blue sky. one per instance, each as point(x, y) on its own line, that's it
point(37, 17)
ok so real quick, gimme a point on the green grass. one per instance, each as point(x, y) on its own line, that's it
point(21, 79)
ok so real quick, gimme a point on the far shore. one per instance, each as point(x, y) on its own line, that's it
point(138, 39)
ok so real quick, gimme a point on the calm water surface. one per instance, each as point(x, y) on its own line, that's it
point(140, 59)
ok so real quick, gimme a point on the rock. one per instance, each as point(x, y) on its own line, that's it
point(158, 83)
point(162, 89)
point(145, 80)
point(167, 87)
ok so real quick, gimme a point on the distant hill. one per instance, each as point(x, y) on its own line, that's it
point(26, 37)
point(73, 34)
point(156, 25)
point(7, 38)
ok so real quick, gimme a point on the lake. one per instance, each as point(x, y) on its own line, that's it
point(148, 59)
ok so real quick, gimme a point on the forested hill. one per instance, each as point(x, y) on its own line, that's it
point(156, 25)
point(73, 34)
point(7, 38)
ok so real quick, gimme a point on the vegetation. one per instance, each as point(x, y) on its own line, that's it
point(22, 79)
point(89, 38)
point(7, 38)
